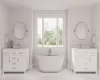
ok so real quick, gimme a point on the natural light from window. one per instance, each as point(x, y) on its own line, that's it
point(49, 32)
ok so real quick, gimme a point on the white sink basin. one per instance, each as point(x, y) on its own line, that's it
point(84, 47)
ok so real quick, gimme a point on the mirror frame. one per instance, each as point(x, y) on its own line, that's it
point(84, 26)
point(25, 31)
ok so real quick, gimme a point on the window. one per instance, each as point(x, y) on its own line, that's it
point(49, 31)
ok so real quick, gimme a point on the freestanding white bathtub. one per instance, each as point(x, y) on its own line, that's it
point(52, 63)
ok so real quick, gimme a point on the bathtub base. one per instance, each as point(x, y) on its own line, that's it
point(50, 64)
point(49, 71)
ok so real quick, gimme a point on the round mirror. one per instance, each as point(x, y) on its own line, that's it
point(81, 30)
point(19, 30)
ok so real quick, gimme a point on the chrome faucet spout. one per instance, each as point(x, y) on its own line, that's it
point(49, 52)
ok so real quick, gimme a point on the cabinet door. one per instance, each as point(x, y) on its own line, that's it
point(21, 61)
point(78, 63)
point(86, 61)
point(6, 65)
point(93, 63)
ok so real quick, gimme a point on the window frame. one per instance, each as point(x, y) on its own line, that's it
point(51, 14)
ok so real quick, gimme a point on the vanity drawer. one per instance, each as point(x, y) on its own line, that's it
point(13, 59)
point(21, 53)
point(18, 67)
point(81, 53)
point(13, 53)
point(10, 68)
point(93, 53)
point(6, 53)
point(14, 63)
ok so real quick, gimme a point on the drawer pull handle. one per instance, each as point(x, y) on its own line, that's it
point(20, 53)
point(85, 68)
point(13, 68)
point(13, 63)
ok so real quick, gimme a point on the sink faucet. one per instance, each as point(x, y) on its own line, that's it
point(18, 45)
point(49, 52)
point(81, 45)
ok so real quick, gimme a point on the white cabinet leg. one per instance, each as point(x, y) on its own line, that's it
point(74, 72)
point(96, 72)
point(3, 73)
point(24, 72)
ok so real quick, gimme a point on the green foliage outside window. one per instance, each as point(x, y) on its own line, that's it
point(51, 37)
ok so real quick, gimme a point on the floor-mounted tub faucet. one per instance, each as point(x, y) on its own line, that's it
point(49, 52)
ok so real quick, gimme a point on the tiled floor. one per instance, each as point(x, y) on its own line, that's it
point(65, 74)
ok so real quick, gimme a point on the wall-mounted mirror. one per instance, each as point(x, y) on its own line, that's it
point(81, 30)
point(20, 30)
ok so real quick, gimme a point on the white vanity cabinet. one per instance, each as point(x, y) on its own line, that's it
point(84, 60)
point(15, 60)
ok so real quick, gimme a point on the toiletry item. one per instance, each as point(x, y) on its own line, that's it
point(10, 44)
point(93, 38)
point(6, 38)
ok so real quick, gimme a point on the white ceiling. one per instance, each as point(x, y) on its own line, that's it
point(49, 4)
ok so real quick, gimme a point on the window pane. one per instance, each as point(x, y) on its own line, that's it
point(50, 32)
point(39, 30)
point(60, 30)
